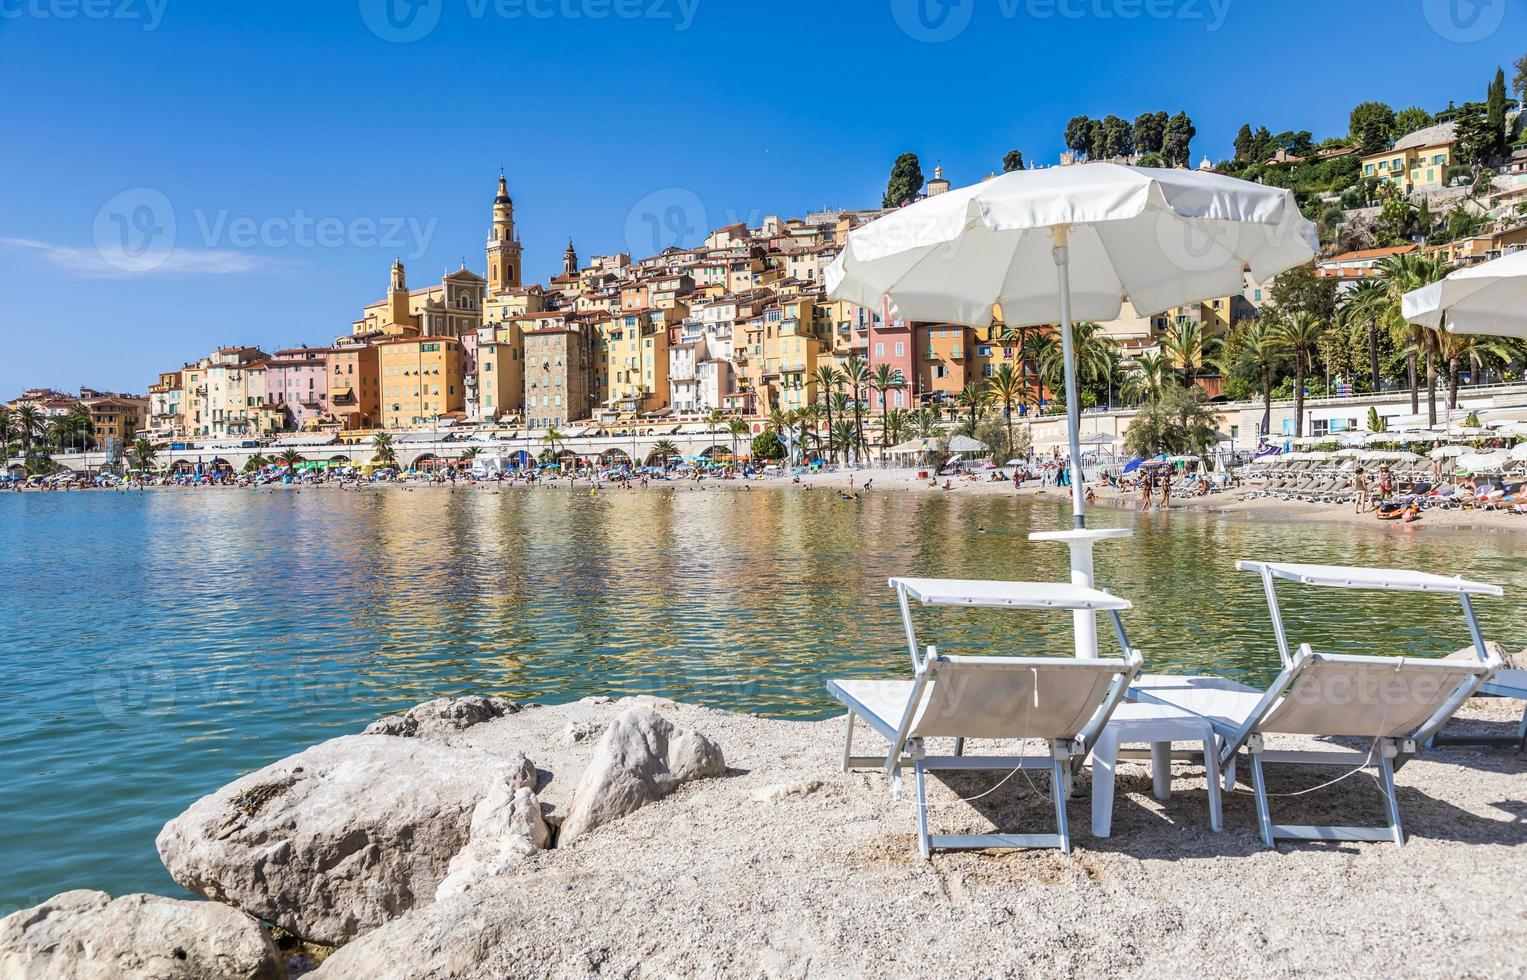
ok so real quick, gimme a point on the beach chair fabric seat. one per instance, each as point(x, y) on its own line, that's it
point(1061, 700)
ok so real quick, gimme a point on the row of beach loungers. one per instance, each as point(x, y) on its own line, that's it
point(1387, 709)
point(1322, 483)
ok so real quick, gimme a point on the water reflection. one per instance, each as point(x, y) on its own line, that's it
point(157, 645)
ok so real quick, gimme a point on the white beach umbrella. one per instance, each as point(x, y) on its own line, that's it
point(1519, 452)
point(1489, 298)
point(1008, 247)
point(1448, 452)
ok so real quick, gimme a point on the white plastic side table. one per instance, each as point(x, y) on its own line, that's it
point(1160, 726)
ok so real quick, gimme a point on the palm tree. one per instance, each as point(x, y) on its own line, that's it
point(1006, 386)
point(974, 398)
point(884, 380)
point(7, 425)
point(1300, 334)
point(780, 423)
point(28, 423)
point(1186, 347)
point(1095, 354)
point(143, 453)
point(714, 419)
point(1144, 378)
point(1040, 348)
point(666, 450)
point(1366, 304)
point(1259, 351)
point(810, 418)
point(736, 428)
point(842, 433)
point(381, 445)
point(896, 422)
point(255, 463)
point(925, 423)
point(289, 458)
point(552, 437)
point(828, 380)
point(856, 374)
point(1400, 274)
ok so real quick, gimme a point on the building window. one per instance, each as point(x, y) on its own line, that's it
point(880, 350)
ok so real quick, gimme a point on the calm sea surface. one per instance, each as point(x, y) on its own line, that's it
point(154, 646)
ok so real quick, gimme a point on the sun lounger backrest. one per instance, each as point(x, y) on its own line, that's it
point(1367, 697)
point(1014, 697)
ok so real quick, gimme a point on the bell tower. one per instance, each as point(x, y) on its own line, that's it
point(504, 245)
point(570, 259)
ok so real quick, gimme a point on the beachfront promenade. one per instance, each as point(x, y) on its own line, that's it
point(1240, 424)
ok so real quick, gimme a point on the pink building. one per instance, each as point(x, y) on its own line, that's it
point(892, 342)
point(297, 379)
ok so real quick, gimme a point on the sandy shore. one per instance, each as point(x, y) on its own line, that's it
point(739, 876)
point(1229, 504)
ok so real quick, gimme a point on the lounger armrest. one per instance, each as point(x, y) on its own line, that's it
point(1117, 691)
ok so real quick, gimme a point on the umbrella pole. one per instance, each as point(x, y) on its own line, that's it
point(1061, 253)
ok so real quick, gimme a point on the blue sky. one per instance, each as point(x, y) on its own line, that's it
point(276, 156)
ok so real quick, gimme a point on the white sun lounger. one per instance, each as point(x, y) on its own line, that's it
point(1504, 683)
point(1398, 702)
point(1063, 700)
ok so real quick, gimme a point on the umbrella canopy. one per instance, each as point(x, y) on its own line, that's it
point(1484, 462)
point(1008, 246)
point(1520, 452)
point(912, 446)
point(965, 444)
point(1489, 298)
point(1448, 452)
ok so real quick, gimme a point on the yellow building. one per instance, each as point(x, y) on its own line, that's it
point(633, 359)
point(116, 419)
point(421, 380)
point(500, 370)
point(450, 309)
point(1418, 159)
point(167, 406)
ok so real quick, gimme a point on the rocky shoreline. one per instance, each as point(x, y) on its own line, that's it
point(478, 837)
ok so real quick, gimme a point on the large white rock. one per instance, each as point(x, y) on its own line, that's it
point(442, 717)
point(641, 758)
point(88, 935)
point(341, 837)
point(507, 827)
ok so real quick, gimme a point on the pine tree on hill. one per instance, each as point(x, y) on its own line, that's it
point(1013, 160)
point(906, 182)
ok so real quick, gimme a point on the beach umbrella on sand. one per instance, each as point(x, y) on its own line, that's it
point(1489, 298)
point(1519, 452)
point(1448, 452)
point(1054, 246)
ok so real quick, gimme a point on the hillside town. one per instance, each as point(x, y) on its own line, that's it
point(738, 328)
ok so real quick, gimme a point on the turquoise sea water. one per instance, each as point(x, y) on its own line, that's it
point(154, 646)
